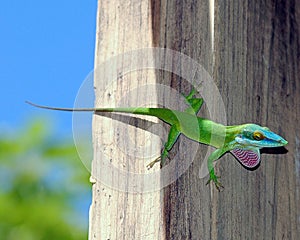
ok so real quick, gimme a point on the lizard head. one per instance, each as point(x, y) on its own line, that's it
point(253, 135)
point(248, 139)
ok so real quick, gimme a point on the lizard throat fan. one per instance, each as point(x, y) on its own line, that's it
point(248, 158)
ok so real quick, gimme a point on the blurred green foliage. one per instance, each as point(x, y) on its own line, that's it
point(44, 188)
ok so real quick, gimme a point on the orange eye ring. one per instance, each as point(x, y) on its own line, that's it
point(258, 136)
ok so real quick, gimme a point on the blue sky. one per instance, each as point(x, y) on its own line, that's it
point(46, 51)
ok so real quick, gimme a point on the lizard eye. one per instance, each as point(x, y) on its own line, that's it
point(258, 136)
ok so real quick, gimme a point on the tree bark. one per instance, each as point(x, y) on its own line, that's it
point(257, 65)
point(118, 210)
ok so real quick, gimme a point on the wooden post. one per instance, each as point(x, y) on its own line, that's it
point(257, 66)
point(252, 51)
point(123, 207)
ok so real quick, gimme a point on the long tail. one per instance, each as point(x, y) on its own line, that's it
point(71, 109)
point(167, 115)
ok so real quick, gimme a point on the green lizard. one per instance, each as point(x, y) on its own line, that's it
point(243, 141)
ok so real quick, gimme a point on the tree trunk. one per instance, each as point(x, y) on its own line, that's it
point(251, 49)
point(122, 206)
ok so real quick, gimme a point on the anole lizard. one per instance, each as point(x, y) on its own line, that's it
point(243, 141)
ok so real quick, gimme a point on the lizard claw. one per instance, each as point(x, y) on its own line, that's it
point(214, 178)
point(150, 165)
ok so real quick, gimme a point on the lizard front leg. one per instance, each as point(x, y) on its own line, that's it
point(210, 164)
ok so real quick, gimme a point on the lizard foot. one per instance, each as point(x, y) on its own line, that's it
point(150, 165)
point(214, 178)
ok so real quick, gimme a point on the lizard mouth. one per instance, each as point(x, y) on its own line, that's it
point(283, 142)
point(266, 142)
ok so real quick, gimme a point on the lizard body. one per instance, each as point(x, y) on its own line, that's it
point(243, 141)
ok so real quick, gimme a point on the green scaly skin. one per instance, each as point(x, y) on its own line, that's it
point(247, 137)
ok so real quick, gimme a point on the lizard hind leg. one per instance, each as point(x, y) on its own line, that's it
point(194, 106)
point(172, 138)
point(194, 103)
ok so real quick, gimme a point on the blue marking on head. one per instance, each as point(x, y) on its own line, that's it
point(259, 137)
